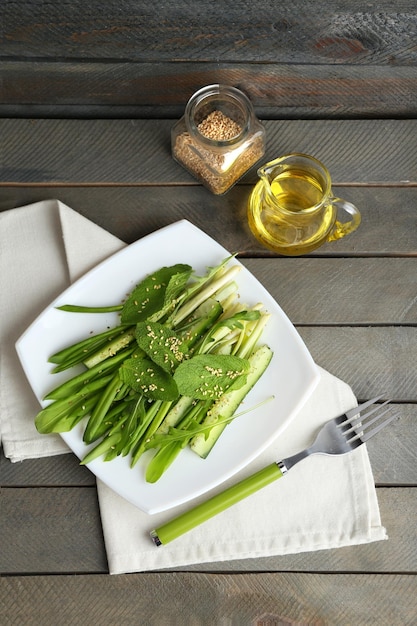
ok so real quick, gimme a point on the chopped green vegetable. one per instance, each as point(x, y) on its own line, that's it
point(73, 308)
point(171, 373)
point(156, 294)
point(164, 346)
point(148, 379)
point(209, 375)
point(228, 403)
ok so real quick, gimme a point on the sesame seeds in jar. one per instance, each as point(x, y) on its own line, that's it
point(219, 138)
point(219, 127)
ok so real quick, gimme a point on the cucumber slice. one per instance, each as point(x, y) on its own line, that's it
point(226, 406)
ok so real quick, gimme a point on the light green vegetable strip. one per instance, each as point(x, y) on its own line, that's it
point(72, 355)
point(110, 349)
point(200, 297)
point(106, 444)
point(149, 416)
point(151, 429)
point(97, 416)
point(73, 308)
point(166, 455)
point(77, 382)
point(48, 419)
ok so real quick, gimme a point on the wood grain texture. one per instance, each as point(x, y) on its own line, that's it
point(52, 540)
point(369, 359)
point(339, 59)
point(268, 599)
point(63, 471)
point(51, 530)
point(160, 89)
point(82, 151)
point(394, 458)
point(337, 292)
point(337, 32)
point(388, 225)
point(59, 531)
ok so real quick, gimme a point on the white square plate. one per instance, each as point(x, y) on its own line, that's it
point(290, 377)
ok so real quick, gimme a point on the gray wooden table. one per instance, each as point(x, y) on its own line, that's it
point(88, 97)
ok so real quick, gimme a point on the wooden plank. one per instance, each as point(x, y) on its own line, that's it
point(372, 360)
point(394, 457)
point(63, 470)
point(59, 531)
point(182, 598)
point(341, 291)
point(338, 31)
point(82, 151)
point(51, 530)
point(161, 89)
point(387, 228)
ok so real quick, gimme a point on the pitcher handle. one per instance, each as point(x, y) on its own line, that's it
point(341, 229)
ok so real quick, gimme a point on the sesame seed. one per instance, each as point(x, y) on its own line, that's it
point(219, 127)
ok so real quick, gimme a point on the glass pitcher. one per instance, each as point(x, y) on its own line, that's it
point(292, 209)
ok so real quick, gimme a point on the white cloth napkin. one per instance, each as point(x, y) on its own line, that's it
point(321, 503)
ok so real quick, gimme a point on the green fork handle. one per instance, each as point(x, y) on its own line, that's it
point(218, 503)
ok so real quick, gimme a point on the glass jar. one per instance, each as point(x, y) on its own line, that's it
point(219, 137)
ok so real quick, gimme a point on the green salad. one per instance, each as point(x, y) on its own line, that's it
point(171, 373)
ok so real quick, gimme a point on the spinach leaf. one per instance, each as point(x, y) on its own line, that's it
point(155, 294)
point(148, 379)
point(208, 376)
point(161, 344)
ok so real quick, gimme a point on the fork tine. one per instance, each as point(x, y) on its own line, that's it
point(361, 407)
point(370, 433)
point(360, 419)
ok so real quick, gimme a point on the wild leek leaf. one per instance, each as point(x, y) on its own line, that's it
point(177, 284)
point(178, 434)
point(148, 379)
point(195, 428)
point(161, 344)
point(149, 296)
point(209, 375)
point(234, 321)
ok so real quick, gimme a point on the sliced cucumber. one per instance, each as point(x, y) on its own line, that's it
point(226, 406)
point(175, 414)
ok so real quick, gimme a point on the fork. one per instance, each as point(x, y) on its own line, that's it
point(338, 436)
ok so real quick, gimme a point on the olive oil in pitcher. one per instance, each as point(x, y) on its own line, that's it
point(291, 209)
